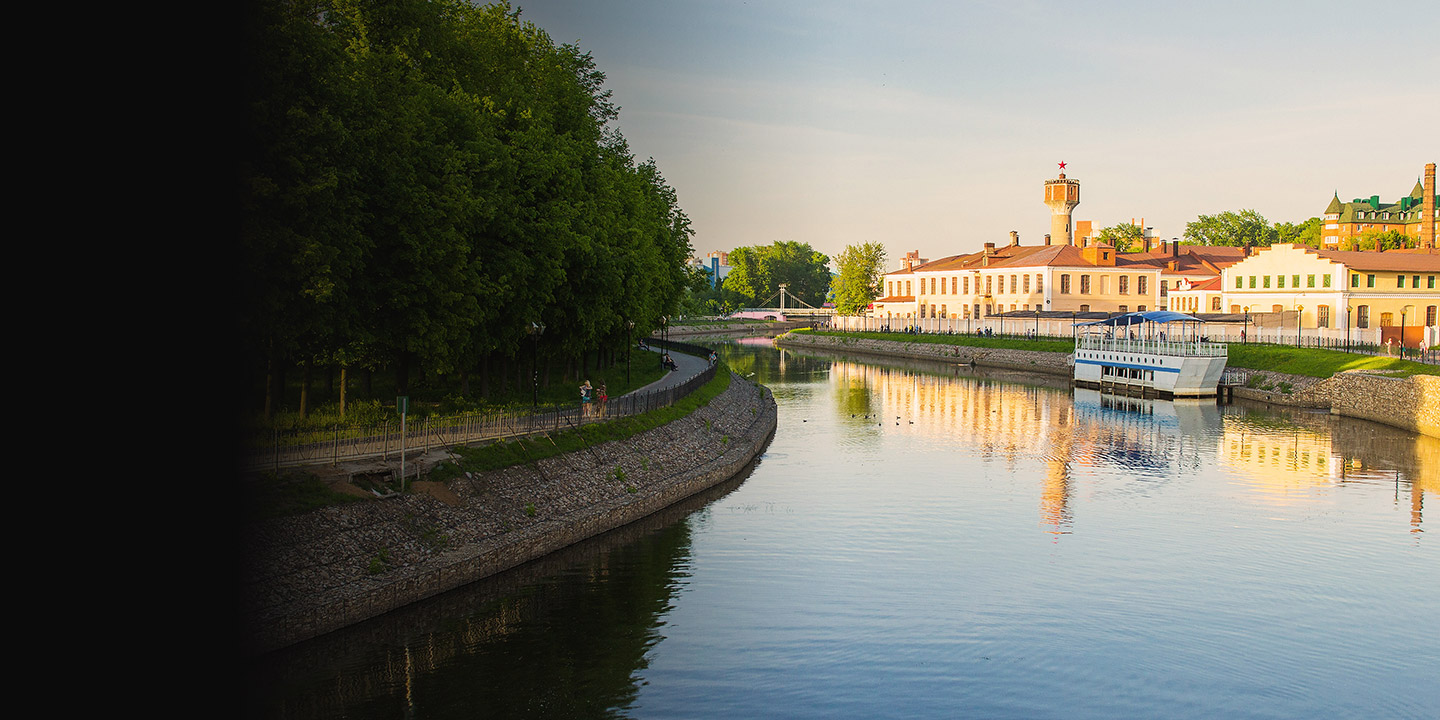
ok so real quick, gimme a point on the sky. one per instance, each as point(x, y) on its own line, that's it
point(933, 126)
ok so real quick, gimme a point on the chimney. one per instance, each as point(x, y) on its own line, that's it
point(1175, 250)
point(1047, 238)
point(989, 249)
point(1427, 209)
point(1145, 243)
point(1014, 237)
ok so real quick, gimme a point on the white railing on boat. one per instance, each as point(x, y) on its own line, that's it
point(1191, 348)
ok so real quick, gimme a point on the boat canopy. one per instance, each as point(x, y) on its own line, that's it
point(1152, 316)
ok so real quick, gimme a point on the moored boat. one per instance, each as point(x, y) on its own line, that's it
point(1157, 352)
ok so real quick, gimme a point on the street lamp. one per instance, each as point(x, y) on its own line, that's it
point(536, 329)
point(662, 340)
point(631, 341)
point(1245, 334)
point(1299, 314)
point(1403, 311)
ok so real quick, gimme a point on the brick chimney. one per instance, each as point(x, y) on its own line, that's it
point(1427, 209)
point(1047, 238)
point(1014, 238)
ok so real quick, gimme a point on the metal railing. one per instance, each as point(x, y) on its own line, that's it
point(1193, 348)
point(290, 448)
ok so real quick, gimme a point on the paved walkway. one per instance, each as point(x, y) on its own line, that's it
point(689, 366)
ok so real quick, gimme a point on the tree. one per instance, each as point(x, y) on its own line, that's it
point(1305, 233)
point(862, 270)
point(757, 272)
point(1125, 237)
point(1370, 239)
point(1246, 227)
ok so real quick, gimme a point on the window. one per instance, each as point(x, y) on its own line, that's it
point(1252, 282)
point(1014, 286)
point(922, 310)
point(1140, 309)
point(1239, 281)
point(942, 311)
point(967, 312)
point(988, 279)
point(1165, 286)
point(1267, 281)
point(1065, 284)
point(1362, 316)
point(1309, 281)
point(1387, 319)
point(1325, 279)
point(1399, 281)
point(1430, 315)
point(1280, 281)
point(977, 309)
point(1084, 284)
point(1355, 280)
point(1415, 281)
point(907, 287)
point(1277, 308)
point(1370, 281)
point(967, 285)
point(932, 311)
point(1027, 286)
point(1294, 281)
point(1215, 304)
point(1322, 316)
point(1141, 285)
point(1235, 309)
point(1124, 308)
point(1430, 284)
point(1124, 286)
point(1040, 283)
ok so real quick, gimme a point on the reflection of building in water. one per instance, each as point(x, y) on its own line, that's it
point(1286, 460)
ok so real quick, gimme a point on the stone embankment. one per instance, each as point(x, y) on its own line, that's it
point(314, 573)
point(752, 329)
point(1411, 403)
point(1053, 363)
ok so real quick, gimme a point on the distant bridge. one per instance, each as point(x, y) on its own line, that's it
point(798, 308)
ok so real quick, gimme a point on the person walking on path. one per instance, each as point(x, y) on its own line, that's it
point(604, 398)
point(585, 398)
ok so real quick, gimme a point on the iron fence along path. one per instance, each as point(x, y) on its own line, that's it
point(292, 448)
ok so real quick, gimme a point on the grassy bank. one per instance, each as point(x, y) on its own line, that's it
point(1003, 343)
point(1312, 362)
point(504, 454)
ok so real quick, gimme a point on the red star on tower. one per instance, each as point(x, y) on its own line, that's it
point(1062, 164)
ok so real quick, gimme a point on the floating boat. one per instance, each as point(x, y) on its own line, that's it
point(1149, 353)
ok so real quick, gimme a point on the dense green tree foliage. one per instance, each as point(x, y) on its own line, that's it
point(861, 272)
point(1375, 239)
point(1246, 227)
point(423, 179)
point(757, 272)
point(1305, 233)
point(1124, 237)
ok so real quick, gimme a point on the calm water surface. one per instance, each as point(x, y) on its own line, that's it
point(922, 540)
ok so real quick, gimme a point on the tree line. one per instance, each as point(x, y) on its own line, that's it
point(424, 183)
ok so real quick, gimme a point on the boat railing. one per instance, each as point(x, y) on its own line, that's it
point(1150, 346)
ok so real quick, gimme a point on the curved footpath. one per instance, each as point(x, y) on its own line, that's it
point(1411, 403)
point(314, 573)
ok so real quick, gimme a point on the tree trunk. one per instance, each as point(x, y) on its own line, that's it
point(344, 381)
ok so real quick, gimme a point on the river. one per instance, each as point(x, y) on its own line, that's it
point(927, 540)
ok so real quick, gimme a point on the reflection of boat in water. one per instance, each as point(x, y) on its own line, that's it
point(1157, 352)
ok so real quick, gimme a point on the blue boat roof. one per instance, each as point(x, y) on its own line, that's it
point(1153, 316)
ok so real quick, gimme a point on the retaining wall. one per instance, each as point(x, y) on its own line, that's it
point(311, 574)
point(1053, 363)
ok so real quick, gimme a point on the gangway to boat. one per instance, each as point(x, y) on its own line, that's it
point(1149, 353)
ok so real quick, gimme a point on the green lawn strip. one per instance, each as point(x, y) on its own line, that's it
point(1315, 362)
point(364, 416)
point(292, 493)
point(504, 454)
point(1000, 343)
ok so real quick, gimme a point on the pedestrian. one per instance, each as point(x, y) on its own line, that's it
point(604, 398)
point(585, 397)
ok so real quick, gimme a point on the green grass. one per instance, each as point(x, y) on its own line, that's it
point(1000, 343)
point(505, 454)
point(292, 493)
point(1314, 362)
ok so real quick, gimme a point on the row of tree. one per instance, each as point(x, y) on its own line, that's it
point(426, 181)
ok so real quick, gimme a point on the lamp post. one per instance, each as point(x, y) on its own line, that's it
point(630, 324)
point(1299, 314)
point(662, 341)
point(1403, 311)
point(1245, 334)
point(536, 329)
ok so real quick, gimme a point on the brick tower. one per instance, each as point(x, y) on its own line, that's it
point(1062, 195)
point(1427, 205)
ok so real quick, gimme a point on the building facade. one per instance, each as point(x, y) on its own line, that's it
point(1413, 215)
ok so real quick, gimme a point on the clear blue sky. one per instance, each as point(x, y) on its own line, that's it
point(933, 125)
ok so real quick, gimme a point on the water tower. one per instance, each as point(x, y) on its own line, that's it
point(1062, 195)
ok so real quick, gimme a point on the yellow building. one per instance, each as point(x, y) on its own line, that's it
point(1335, 288)
point(1413, 215)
